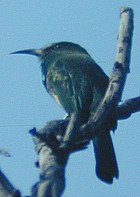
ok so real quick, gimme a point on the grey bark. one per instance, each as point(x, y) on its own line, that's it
point(52, 159)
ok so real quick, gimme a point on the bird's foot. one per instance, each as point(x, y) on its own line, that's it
point(65, 145)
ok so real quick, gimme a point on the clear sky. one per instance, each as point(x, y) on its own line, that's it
point(25, 103)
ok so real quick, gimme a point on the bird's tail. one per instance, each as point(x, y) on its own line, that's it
point(106, 164)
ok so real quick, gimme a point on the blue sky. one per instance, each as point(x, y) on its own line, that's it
point(25, 103)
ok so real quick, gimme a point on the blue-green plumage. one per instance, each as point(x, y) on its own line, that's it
point(78, 84)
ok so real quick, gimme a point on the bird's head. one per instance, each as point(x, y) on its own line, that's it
point(55, 50)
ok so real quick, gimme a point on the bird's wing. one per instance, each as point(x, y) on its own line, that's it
point(69, 82)
point(77, 83)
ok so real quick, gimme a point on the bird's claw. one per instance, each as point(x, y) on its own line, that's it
point(64, 145)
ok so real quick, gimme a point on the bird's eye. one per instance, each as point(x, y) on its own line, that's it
point(57, 46)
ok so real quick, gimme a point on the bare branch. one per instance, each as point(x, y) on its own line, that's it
point(106, 112)
point(129, 107)
point(4, 153)
point(52, 161)
point(6, 188)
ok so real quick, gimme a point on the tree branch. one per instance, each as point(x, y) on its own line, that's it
point(52, 159)
point(6, 188)
point(106, 113)
point(126, 109)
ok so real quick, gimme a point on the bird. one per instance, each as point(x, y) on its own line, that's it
point(78, 84)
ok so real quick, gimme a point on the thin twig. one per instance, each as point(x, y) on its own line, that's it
point(126, 109)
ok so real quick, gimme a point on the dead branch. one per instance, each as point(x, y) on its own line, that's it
point(49, 154)
point(6, 188)
point(51, 159)
point(107, 110)
point(126, 109)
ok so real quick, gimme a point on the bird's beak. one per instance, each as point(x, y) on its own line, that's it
point(36, 52)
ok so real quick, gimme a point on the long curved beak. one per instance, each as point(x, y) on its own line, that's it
point(36, 52)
